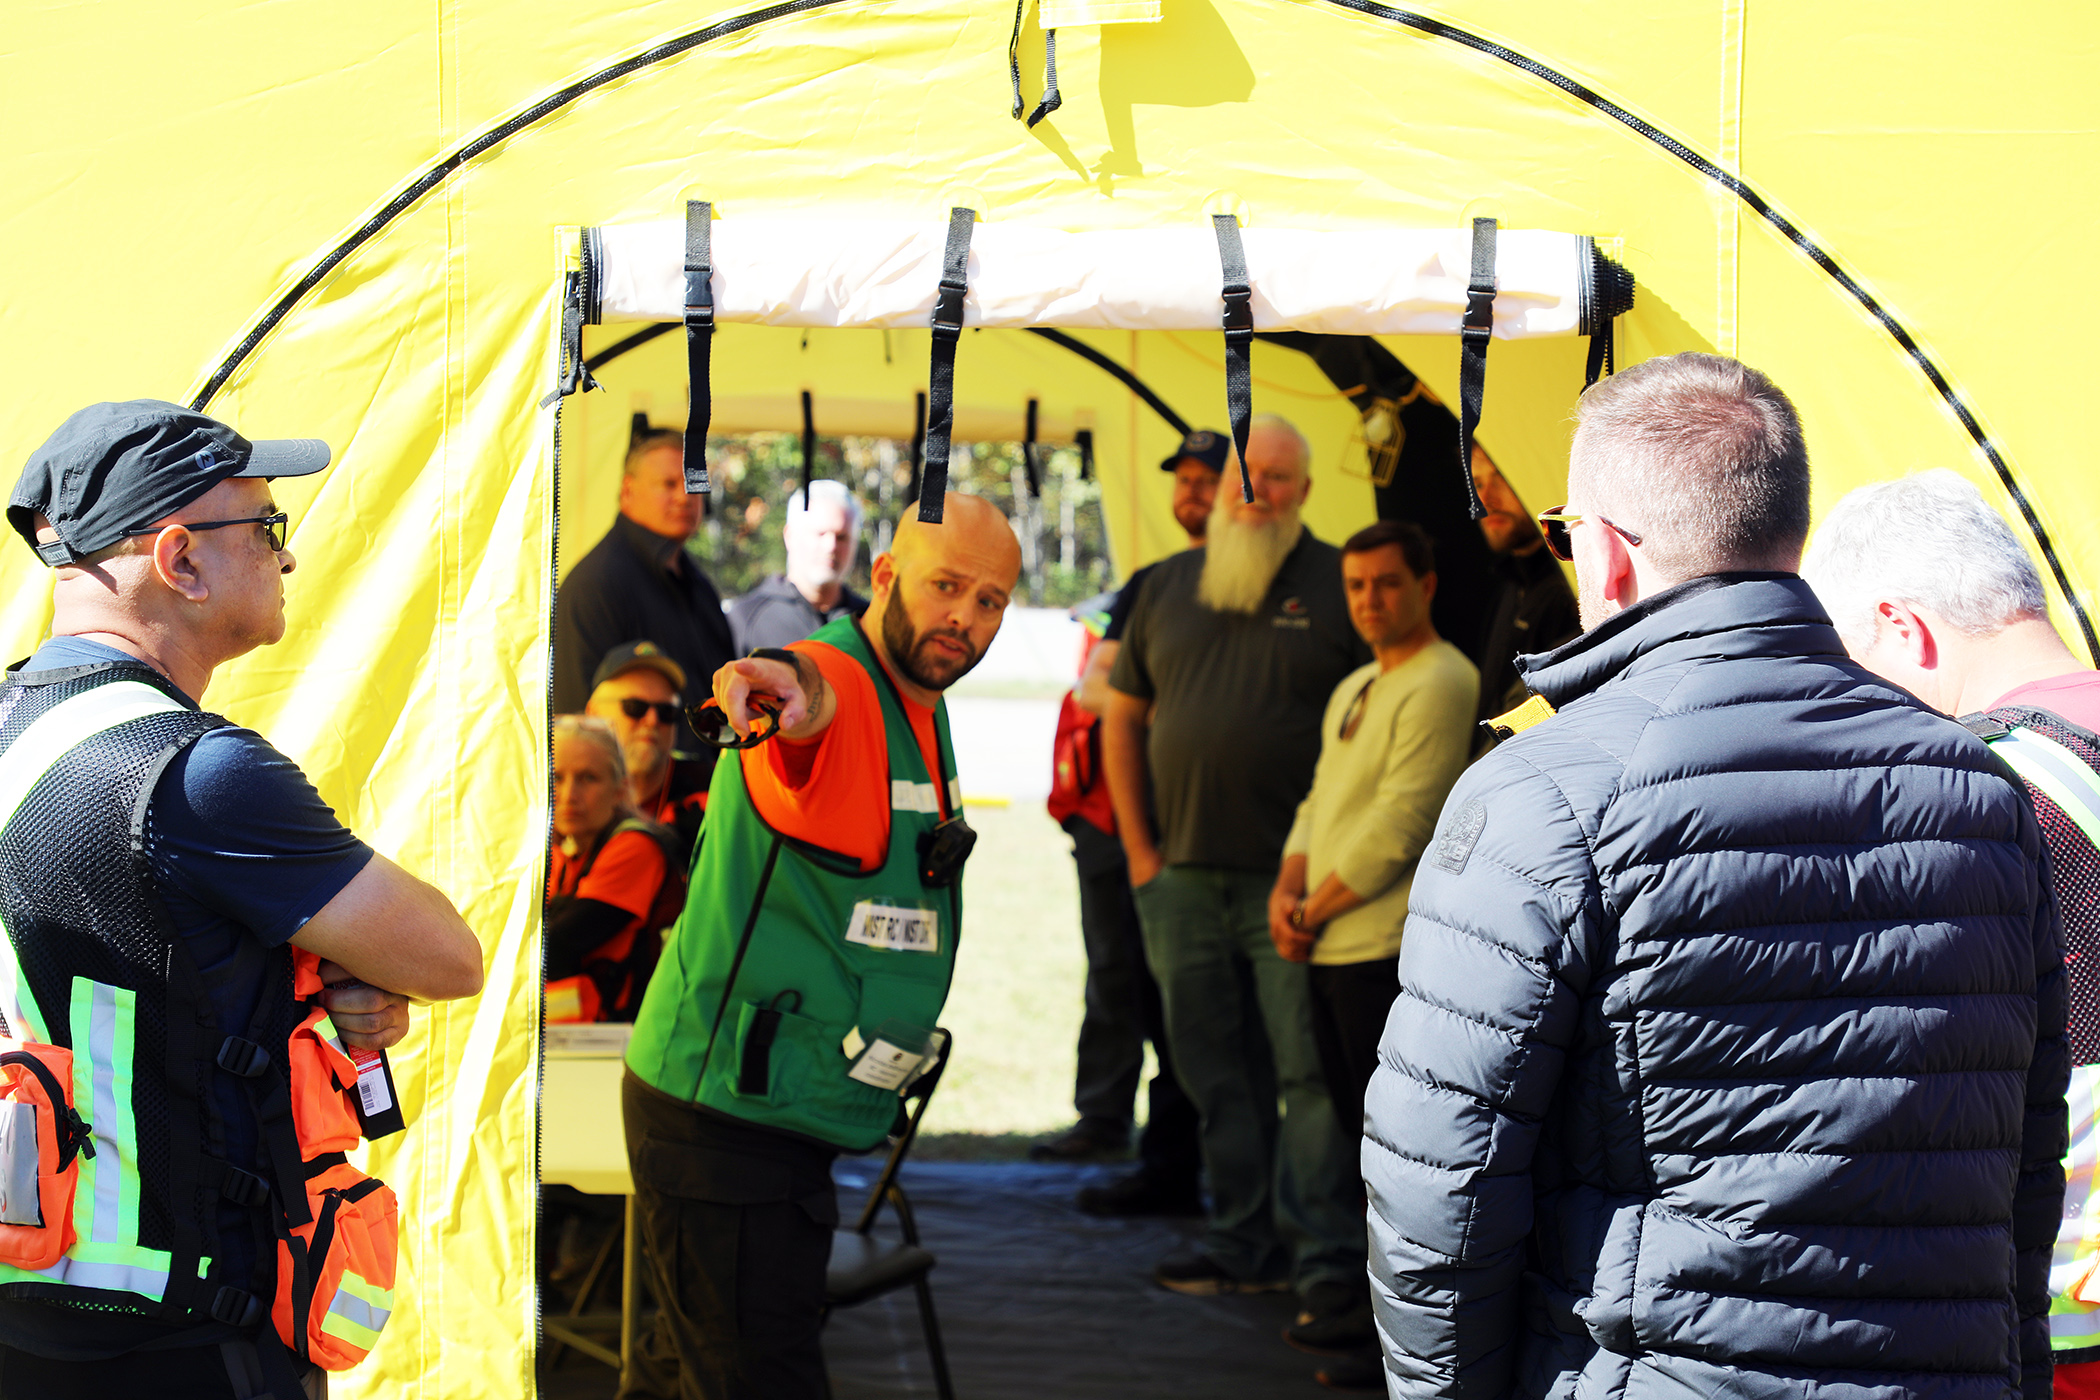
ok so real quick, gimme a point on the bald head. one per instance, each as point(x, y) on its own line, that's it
point(941, 592)
point(972, 533)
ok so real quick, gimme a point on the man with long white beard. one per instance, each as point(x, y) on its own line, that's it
point(1234, 650)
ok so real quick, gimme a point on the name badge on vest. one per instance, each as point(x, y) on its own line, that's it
point(895, 927)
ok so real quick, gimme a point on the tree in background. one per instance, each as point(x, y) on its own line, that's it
point(1064, 543)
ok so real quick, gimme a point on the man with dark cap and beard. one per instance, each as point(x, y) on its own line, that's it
point(1234, 650)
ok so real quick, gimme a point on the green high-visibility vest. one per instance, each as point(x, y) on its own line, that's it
point(833, 954)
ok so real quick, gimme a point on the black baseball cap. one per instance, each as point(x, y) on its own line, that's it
point(639, 656)
point(1206, 447)
point(117, 467)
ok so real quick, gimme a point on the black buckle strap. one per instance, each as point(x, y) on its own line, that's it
point(242, 1057)
point(237, 1307)
point(1474, 335)
point(809, 446)
point(243, 1188)
point(1239, 340)
point(940, 382)
point(1051, 101)
point(699, 338)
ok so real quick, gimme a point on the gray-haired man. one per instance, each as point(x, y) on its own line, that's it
point(1728, 1058)
point(822, 538)
point(1929, 588)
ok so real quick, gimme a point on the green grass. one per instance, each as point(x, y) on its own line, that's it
point(1020, 976)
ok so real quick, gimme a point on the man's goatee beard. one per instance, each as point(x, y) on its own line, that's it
point(1240, 560)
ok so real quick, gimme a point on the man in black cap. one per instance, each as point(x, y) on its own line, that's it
point(1122, 1000)
point(640, 692)
point(154, 863)
point(640, 581)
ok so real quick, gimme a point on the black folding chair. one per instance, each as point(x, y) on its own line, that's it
point(863, 1267)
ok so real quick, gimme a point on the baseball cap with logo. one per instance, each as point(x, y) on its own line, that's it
point(642, 656)
point(113, 468)
point(1206, 447)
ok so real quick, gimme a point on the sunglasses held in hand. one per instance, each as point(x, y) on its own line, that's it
point(712, 724)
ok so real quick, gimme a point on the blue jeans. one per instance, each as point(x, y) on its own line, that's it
point(1285, 1189)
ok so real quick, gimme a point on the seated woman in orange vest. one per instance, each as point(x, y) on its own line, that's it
point(612, 887)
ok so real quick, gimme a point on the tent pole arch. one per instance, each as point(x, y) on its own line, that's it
point(1423, 24)
point(1059, 338)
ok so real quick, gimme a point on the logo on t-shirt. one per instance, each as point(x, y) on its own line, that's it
point(1293, 614)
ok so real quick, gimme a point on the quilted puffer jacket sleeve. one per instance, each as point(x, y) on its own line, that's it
point(1499, 943)
point(2038, 1200)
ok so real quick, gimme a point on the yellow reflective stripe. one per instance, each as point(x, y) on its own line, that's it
point(117, 1268)
point(358, 1311)
point(2045, 764)
point(52, 735)
point(106, 1203)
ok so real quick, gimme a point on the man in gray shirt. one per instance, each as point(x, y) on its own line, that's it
point(1234, 650)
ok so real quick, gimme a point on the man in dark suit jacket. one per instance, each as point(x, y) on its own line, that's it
point(639, 581)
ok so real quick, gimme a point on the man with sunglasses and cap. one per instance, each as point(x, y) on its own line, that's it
point(639, 692)
point(1729, 1055)
point(154, 862)
point(800, 993)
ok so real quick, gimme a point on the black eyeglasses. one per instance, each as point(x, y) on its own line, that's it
point(1557, 522)
point(273, 527)
point(664, 710)
point(712, 725)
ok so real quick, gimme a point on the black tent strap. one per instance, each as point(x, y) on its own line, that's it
point(1239, 340)
point(1083, 439)
point(1028, 450)
point(940, 381)
point(699, 339)
point(918, 444)
point(1473, 339)
point(1051, 100)
point(809, 446)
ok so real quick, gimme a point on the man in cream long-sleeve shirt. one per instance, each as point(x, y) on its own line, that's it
point(1395, 737)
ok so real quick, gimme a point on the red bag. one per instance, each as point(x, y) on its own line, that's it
point(41, 1139)
point(1078, 786)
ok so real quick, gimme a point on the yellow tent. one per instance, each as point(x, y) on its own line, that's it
point(354, 222)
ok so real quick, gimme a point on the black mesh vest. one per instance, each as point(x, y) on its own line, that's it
point(91, 963)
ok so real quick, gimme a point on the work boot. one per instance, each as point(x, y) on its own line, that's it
point(1088, 1140)
point(1199, 1275)
point(1360, 1373)
point(1334, 1319)
point(1141, 1193)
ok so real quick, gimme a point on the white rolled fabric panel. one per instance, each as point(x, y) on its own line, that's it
point(873, 274)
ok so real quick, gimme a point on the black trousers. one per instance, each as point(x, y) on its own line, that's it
point(736, 1225)
point(1122, 1013)
point(1349, 1006)
point(177, 1373)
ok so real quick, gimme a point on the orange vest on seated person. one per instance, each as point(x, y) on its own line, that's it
point(610, 986)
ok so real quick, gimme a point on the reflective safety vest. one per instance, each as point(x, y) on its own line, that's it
point(89, 963)
point(834, 956)
point(2060, 765)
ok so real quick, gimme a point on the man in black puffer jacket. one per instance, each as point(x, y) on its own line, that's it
point(1729, 1053)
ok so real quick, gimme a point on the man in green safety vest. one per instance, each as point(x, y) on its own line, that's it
point(1930, 589)
point(798, 995)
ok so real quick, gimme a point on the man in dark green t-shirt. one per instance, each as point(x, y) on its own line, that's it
point(1233, 650)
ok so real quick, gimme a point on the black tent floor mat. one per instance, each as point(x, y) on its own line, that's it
point(1037, 1300)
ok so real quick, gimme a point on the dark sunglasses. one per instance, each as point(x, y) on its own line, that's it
point(664, 710)
point(1559, 520)
point(273, 527)
point(712, 725)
